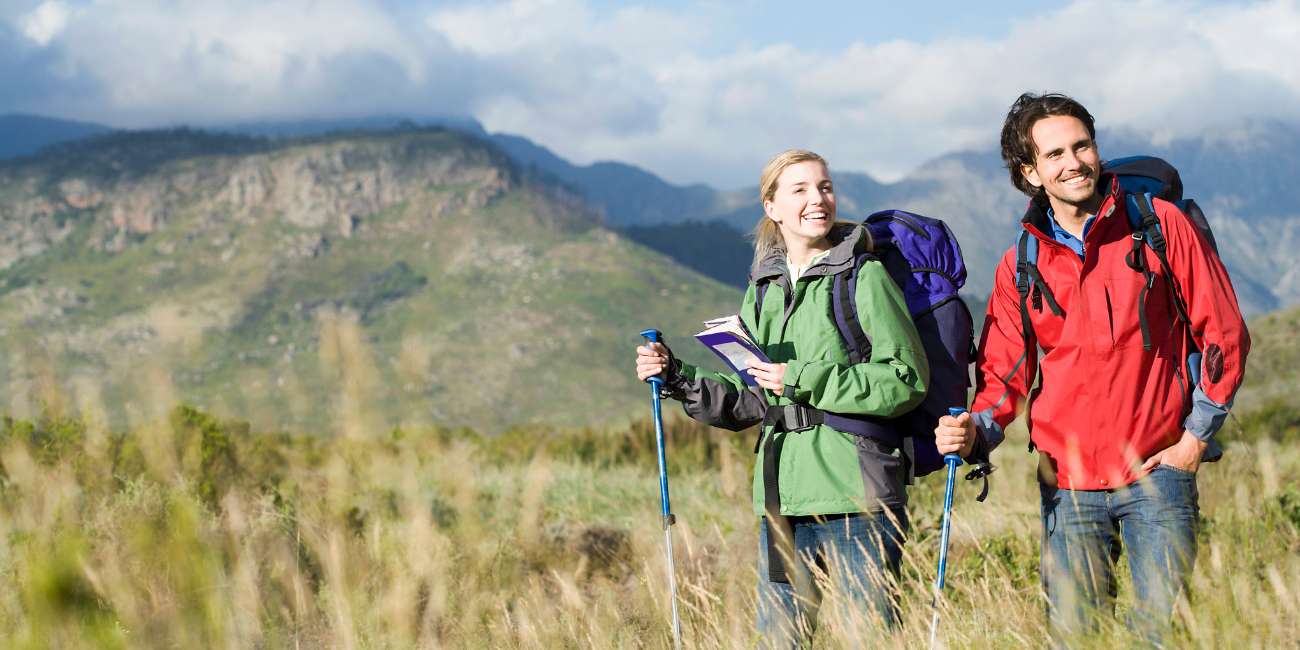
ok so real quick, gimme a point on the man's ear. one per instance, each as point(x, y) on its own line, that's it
point(1031, 175)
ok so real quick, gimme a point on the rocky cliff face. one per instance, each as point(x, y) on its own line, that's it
point(340, 284)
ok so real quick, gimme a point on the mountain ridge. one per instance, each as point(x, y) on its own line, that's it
point(341, 283)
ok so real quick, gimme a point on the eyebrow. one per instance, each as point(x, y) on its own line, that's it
point(1075, 145)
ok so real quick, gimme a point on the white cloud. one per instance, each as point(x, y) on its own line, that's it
point(159, 61)
point(44, 22)
point(1171, 68)
point(673, 91)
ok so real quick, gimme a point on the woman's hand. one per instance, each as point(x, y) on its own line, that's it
point(955, 435)
point(768, 375)
point(651, 360)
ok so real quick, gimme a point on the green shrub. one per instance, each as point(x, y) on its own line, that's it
point(207, 451)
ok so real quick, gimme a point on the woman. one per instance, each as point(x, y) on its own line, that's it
point(833, 500)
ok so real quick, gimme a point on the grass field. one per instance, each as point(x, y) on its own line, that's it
point(200, 533)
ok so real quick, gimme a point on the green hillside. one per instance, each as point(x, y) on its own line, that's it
point(1273, 369)
point(1267, 405)
point(338, 284)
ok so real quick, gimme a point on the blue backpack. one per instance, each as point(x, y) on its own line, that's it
point(923, 258)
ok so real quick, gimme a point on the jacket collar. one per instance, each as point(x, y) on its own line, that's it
point(847, 240)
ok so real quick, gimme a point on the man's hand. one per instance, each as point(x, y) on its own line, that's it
point(1184, 454)
point(768, 375)
point(955, 435)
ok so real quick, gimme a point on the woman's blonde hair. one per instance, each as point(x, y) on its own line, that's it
point(767, 233)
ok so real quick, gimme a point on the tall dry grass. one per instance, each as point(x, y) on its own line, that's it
point(188, 531)
point(448, 539)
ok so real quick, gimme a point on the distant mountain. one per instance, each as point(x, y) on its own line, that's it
point(625, 194)
point(324, 126)
point(22, 135)
point(337, 283)
point(1242, 177)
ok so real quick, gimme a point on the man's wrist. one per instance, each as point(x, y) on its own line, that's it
point(1200, 444)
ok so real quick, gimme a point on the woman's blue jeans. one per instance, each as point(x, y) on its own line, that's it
point(860, 554)
point(1156, 519)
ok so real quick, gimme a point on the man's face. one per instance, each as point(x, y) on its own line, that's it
point(1067, 164)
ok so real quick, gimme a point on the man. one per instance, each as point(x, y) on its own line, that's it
point(1119, 436)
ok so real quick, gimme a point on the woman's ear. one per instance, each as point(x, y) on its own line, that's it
point(767, 210)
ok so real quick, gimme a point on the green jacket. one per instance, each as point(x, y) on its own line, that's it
point(821, 470)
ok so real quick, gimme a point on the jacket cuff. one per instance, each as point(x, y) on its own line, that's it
point(1207, 416)
point(677, 383)
point(793, 368)
point(987, 431)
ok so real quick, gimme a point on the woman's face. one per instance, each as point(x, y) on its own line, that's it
point(804, 202)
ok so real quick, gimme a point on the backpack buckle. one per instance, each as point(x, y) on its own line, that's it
point(797, 418)
point(792, 418)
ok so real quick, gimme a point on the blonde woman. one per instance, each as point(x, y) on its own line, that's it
point(831, 503)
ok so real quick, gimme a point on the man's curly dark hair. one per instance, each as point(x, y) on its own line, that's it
point(1017, 141)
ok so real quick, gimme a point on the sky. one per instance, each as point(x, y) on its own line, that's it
point(692, 91)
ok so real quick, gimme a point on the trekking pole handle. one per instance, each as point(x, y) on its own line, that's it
point(953, 460)
point(653, 336)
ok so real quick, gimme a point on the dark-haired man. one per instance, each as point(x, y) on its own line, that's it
point(1119, 429)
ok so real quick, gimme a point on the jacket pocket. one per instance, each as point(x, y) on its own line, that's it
point(883, 474)
point(1126, 304)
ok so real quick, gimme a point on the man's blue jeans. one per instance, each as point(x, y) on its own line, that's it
point(1156, 518)
point(860, 553)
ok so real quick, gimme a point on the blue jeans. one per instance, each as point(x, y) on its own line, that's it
point(1156, 518)
point(859, 553)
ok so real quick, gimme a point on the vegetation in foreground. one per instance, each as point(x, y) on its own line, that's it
point(200, 533)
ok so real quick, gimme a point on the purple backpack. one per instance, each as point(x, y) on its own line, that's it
point(924, 259)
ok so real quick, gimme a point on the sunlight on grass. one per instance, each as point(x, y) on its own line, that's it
point(191, 531)
point(436, 538)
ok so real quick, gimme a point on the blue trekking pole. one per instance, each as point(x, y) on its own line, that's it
point(952, 461)
point(653, 336)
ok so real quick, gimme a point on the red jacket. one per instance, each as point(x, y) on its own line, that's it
point(1104, 405)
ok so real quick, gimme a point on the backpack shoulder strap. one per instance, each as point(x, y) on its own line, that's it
point(844, 309)
point(1146, 228)
point(1026, 270)
point(1026, 255)
point(1030, 287)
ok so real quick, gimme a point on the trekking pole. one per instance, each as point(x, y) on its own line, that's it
point(653, 336)
point(952, 461)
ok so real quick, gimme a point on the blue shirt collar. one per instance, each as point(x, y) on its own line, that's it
point(1060, 235)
